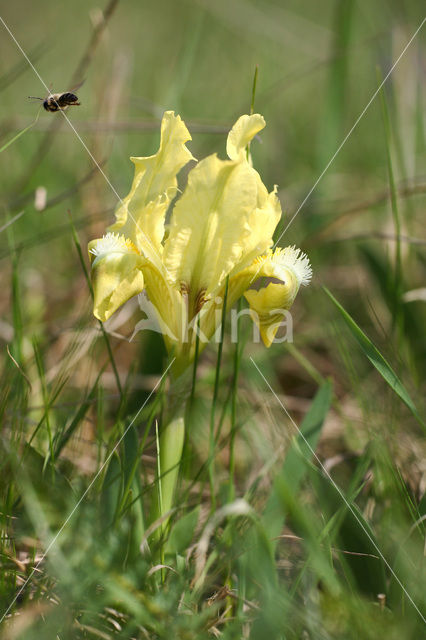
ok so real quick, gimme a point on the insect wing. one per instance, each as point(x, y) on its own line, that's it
point(66, 99)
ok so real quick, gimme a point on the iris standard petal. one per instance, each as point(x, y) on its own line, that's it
point(210, 224)
point(242, 133)
point(141, 215)
point(262, 222)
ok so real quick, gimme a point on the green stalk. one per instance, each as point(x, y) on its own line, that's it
point(212, 439)
point(46, 403)
point(169, 453)
point(253, 91)
point(237, 362)
point(159, 493)
point(16, 347)
point(195, 365)
point(253, 94)
point(398, 279)
point(190, 404)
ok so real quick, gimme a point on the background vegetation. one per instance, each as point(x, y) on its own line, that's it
point(332, 544)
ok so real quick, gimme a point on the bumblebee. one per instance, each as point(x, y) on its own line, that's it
point(59, 101)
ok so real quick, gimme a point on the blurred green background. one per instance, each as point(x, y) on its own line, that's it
point(361, 220)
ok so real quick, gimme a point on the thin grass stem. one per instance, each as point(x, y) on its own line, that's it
point(398, 278)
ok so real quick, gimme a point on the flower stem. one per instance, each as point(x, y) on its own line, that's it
point(190, 405)
point(194, 369)
point(212, 440)
point(237, 361)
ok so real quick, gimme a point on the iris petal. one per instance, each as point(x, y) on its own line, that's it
point(141, 214)
point(269, 304)
point(116, 277)
point(268, 308)
point(241, 135)
point(210, 224)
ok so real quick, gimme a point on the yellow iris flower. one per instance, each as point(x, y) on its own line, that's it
point(221, 225)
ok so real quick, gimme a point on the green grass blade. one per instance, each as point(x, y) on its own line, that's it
point(63, 438)
point(18, 135)
point(376, 359)
point(398, 280)
point(45, 397)
point(111, 492)
point(183, 531)
point(293, 469)
point(347, 528)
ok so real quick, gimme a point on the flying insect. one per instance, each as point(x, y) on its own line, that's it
point(59, 101)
